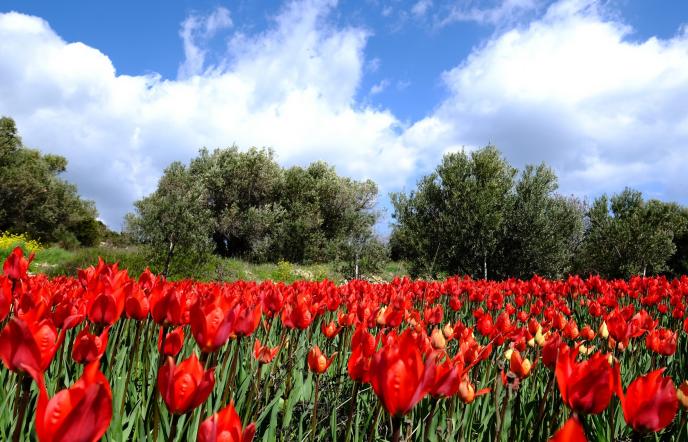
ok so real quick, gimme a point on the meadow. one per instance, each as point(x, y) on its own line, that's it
point(119, 356)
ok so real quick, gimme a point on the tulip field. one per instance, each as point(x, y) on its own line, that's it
point(112, 356)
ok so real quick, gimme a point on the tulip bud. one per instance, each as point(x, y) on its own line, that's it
point(448, 331)
point(466, 391)
point(611, 343)
point(540, 338)
point(531, 342)
point(508, 353)
point(604, 331)
point(437, 339)
point(682, 394)
point(381, 315)
point(526, 366)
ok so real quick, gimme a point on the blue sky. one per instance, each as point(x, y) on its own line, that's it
point(381, 89)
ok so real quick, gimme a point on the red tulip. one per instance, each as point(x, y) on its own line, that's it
point(519, 366)
point(358, 365)
point(572, 431)
point(225, 426)
point(245, 319)
point(136, 305)
point(434, 315)
point(107, 305)
point(485, 325)
point(89, 347)
point(662, 341)
point(81, 412)
point(28, 343)
point(587, 333)
point(297, 315)
point(650, 402)
point(571, 330)
point(166, 304)
point(174, 341)
point(264, 354)
point(211, 324)
point(5, 296)
point(550, 350)
point(16, 266)
point(364, 340)
point(185, 386)
point(398, 374)
point(448, 376)
point(586, 387)
point(329, 330)
point(317, 362)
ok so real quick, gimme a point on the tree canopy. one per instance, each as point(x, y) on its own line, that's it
point(251, 207)
point(626, 235)
point(35, 200)
point(476, 215)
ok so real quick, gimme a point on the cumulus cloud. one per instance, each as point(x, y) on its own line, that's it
point(290, 87)
point(572, 88)
point(575, 90)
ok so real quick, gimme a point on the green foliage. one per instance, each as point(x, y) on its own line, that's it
point(174, 221)
point(363, 259)
point(629, 236)
point(251, 208)
point(473, 216)
point(678, 263)
point(33, 199)
point(284, 271)
point(89, 232)
point(543, 230)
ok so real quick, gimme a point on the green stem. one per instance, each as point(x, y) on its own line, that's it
point(373, 428)
point(352, 411)
point(21, 405)
point(430, 416)
point(173, 428)
point(314, 418)
point(396, 428)
point(132, 364)
point(232, 371)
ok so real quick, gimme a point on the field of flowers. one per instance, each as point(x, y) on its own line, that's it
point(107, 355)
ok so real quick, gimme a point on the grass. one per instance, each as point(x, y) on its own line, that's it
point(55, 261)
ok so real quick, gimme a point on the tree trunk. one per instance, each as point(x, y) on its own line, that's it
point(168, 259)
point(485, 265)
point(356, 266)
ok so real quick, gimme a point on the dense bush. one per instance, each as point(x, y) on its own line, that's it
point(33, 198)
point(244, 205)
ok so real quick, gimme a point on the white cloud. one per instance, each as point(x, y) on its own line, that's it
point(379, 87)
point(497, 13)
point(291, 87)
point(573, 90)
point(421, 7)
point(570, 89)
point(195, 32)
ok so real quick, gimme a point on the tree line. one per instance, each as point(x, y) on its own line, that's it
point(35, 200)
point(477, 215)
point(244, 204)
